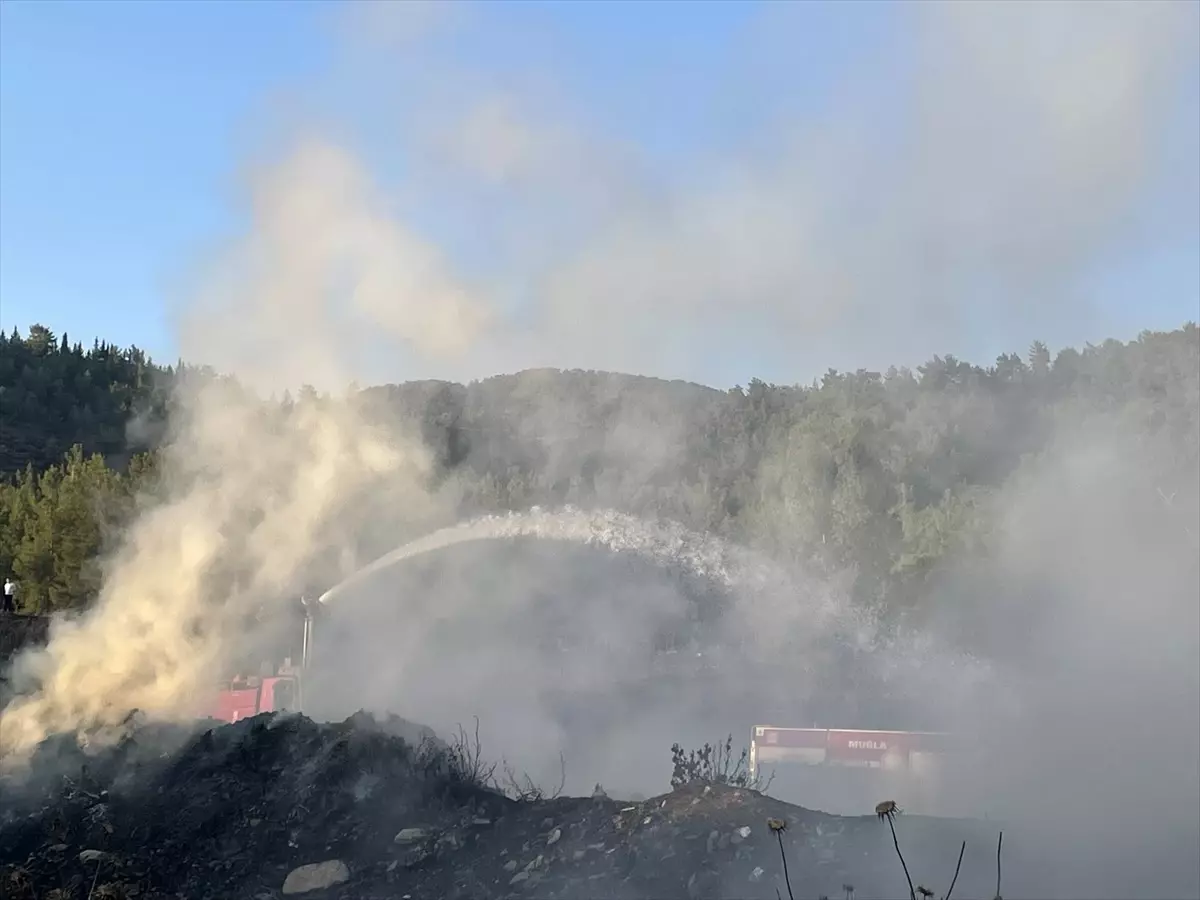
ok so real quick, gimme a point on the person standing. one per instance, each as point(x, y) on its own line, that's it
point(10, 595)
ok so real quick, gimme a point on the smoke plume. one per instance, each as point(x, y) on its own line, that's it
point(251, 496)
point(965, 193)
point(1027, 147)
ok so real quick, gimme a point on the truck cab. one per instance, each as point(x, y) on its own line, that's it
point(242, 698)
point(840, 770)
point(275, 689)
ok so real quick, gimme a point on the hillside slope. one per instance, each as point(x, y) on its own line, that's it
point(233, 813)
point(899, 476)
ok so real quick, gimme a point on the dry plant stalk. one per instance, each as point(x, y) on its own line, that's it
point(954, 880)
point(888, 809)
point(525, 791)
point(999, 844)
point(778, 827)
point(95, 878)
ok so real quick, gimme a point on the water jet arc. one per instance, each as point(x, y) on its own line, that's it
point(664, 542)
point(775, 608)
point(667, 543)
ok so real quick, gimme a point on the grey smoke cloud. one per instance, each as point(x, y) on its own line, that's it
point(964, 197)
point(324, 272)
point(396, 26)
point(1092, 599)
point(1027, 137)
point(1014, 152)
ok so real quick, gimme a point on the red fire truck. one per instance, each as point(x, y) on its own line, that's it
point(840, 770)
point(275, 688)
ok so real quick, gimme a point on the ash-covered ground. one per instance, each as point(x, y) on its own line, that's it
point(281, 805)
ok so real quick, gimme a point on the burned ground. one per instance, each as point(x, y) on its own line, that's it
point(234, 811)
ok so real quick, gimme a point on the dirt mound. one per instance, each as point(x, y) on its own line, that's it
point(277, 806)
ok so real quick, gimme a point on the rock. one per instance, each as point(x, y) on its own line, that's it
point(518, 878)
point(757, 874)
point(411, 835)
point(417, 855)
point(741, 834)
point(510, 866)
point(316, 876)
point(91, 856)
point(554, 837)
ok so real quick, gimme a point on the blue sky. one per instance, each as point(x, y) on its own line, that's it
point(119, 126)
point(125, 126)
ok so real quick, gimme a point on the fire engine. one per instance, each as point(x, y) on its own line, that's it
point(276, 688)
point(841, 770)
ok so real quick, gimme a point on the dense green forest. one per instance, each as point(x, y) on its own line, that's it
point(885, 474)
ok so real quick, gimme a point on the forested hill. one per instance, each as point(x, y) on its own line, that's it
point(114, 401)
point(884, 473)
point(54, 394)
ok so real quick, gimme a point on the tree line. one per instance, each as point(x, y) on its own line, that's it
point(885, 475)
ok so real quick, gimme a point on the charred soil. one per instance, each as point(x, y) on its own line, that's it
point(276, 806)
